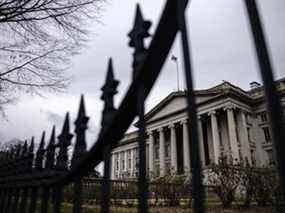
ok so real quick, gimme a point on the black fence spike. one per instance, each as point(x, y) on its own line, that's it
point(30, 159)
point(109, 90)
point(40, 153)
point(139, 31)
point(64, 141)
point(25, 148)
point(32, 146)
point(66, 127)
point(137, 36)
point(11, 152)
point(18, 150)
point(81, 126)
point(50, 155)
point(82, 111)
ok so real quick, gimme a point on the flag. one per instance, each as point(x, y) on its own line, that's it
point(174, 58)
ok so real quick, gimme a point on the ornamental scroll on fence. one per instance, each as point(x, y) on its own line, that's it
point(33, 181)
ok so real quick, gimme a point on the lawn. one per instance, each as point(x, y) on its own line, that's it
point(67, 208)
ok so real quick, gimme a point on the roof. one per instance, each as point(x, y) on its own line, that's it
point(224, 88)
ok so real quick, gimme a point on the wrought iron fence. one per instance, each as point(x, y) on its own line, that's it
point(29, 180)
point(125, 192)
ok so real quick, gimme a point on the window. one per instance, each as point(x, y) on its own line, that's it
point(129, 163)
point(263, 116)
point(270, 156)
point(267, 135)
point(136, 162)
point(247, 118)
point(156, 152)
point(167, 150)
point(252, 156)
point(123, 164)
point(117, 165)
point(248, 133)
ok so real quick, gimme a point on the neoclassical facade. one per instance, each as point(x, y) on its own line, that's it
point(231, 122)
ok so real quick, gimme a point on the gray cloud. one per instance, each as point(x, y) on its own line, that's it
point(222, 49)
point(54, 118)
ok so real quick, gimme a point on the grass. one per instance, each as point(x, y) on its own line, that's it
point(67, 208)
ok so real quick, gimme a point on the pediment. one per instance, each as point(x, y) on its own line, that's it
point(175, 102)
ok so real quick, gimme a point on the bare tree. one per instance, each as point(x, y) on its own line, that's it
point(36, 41)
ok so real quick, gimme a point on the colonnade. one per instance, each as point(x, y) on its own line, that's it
point(232, 144)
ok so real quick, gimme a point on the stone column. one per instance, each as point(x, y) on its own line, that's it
point(173, 148)
point(232, 133)
point(151, 153)
point(113, 166)
point(132, 162)
point(186, 147)
point(161, 152)
point(119, 160)
point(215, 135)
point(126, 159)
point(201, 141)
point(245, 143)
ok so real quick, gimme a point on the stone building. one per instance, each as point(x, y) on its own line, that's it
point(231, 121)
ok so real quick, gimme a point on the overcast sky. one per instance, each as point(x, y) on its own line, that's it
point(221, 50)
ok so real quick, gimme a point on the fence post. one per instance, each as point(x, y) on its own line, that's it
point(79, 151)
point(62, 161)
point(198, 191)
point(272, 97)
point(109, 90)
point(49, 165)
point(137, 36)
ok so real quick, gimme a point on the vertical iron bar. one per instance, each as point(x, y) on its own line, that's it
point(273, 102)
point(8, 203)
point(105, 200)
point(109, 90)
point(33, 202)
point(10, 209)
point(2, 199)
point(23, 202)
point(137, 36)
point(57, 199)
point(16, 201)
point(143, 182)
point(198, 191)
point(77, 195)
point(45, 200)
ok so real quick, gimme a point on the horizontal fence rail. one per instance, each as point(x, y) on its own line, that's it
point(41, 179)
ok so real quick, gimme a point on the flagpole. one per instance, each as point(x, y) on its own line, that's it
point(174, 58)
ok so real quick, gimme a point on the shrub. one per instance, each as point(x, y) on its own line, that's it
point(224, 179)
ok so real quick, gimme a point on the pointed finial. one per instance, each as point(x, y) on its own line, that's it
point(139, 31)
point(81, 112)
point(32, 145)
point(25, 148)
point(18, 150)
point(50, 156)
point(11, 152)
point(81, 126)
point(82, 119)
point(110, 87)
point(65, 129)
point(109, 90)
point(40, 153)
point(64, 141)
point(65, 136)
point(52, 138)
point(137, 36)
point(110, 71)
point(42, 143)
